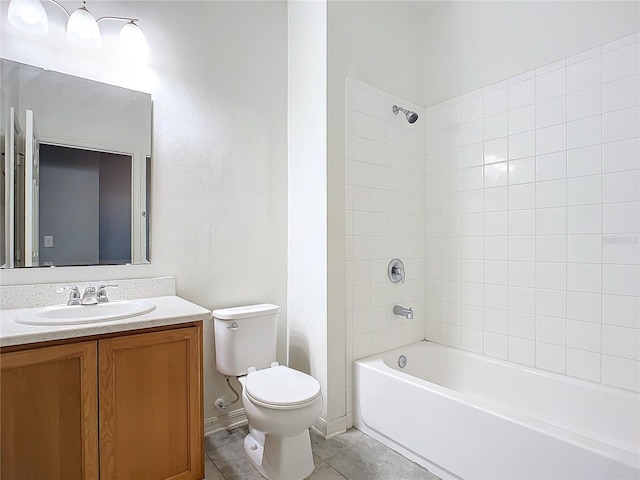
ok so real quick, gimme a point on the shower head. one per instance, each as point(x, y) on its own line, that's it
point(411, 116)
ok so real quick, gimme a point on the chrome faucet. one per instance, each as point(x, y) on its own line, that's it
point(405, 312)
point(74, 295)
point(89, 296)
point(101, 294)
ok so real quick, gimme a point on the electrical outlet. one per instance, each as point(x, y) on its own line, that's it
point(48, 240)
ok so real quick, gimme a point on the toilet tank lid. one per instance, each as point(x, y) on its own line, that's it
point(235, 313)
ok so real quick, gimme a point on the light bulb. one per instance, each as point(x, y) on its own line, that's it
point(82, 28)
point(29, 16)
point(132, 41)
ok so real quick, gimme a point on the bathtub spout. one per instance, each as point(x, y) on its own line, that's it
point(405, 312)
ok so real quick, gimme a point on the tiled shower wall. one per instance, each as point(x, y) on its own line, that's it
point(385, 218)
point(533, 217)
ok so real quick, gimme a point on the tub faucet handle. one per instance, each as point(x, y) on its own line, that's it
point(395, 270)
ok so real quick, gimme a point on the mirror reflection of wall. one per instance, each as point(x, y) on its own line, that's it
point(85, 207)
point(105, 134)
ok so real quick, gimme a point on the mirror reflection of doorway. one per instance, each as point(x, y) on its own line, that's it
point(85, 207)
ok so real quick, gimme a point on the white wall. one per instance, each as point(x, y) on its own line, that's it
point(307, 200)
point(470, 44)
point(219, 166)
point(533, 214)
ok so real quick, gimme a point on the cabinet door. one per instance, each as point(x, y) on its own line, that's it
point(49, 418)
point(151, 424)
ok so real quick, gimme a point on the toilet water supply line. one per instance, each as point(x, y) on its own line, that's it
point(221, 403)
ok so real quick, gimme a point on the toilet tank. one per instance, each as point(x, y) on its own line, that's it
point(245, 337)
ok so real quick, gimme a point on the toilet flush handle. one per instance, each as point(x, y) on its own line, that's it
point(233, 326)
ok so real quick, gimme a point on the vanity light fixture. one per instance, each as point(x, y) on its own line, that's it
point(82, 27)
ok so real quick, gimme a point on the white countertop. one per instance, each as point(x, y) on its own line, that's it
point(170, 310)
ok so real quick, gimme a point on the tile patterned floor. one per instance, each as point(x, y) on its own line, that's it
point(351, 456)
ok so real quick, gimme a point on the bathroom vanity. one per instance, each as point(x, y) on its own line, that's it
point(118, 399)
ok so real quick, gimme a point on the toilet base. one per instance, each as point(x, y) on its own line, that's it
point(280, 458)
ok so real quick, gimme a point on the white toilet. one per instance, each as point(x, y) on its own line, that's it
point(280, 403)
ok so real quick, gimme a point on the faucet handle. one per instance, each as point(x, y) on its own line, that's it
point(74, 294)
point(101, 293)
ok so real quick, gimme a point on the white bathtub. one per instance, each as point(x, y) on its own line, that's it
point(462, 415)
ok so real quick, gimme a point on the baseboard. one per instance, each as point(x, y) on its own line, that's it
point(332, 428)
point(225, 421)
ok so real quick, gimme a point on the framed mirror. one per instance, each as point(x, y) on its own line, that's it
point(75, 170)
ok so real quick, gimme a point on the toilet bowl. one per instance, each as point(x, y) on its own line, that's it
point(280, 403)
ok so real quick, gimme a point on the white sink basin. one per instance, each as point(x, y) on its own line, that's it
point(78, 314)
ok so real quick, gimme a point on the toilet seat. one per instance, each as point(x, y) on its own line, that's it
point(281, 388)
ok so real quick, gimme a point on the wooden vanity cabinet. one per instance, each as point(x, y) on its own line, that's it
point(122, 407)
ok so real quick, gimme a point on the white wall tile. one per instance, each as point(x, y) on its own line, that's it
point(584, 190)
point(522, 248)
point(584, 277)
point(496, 199)
point(621, 310)
point(621, 279)
point(621, 341)
point(522, 274)
point(551, 330)
point(551, 112)
point(522, 119)
point(584, 219)
point(496, 248)
point(621, 372)
point(585, 103)
point(621, 217)
point(620, 156)
point(584, 74)
point(621, 249)
point(551, 275)
point(496, 296)
point(522, 299)
point(472, 270)
point(619, 94)
point(552, 166)
point(620, 63)
point(522, 171)
point(551, 194)
point(471, 340)
point(551, 302)
point(550, 357)
point(496, 174)
point(551, 85)
point(495, 150)
point(522, 145)
point(551, 139)
point(551, 221)
point(621, 187)
point(471, 109)
point(471, 132)
point(522, 197)
point(583, 364)
point(495, 345)
point(522, 325)
point(584, 132)
point(584, 306)
point(522, 351)
point(551, 248)
point(496, 223)
point(584, 248)
point(621, 125)
point(472, 316)
point(472, 178)
point(521, 94)
point(495, 126)
point(584, 335)
point(496, 272)
point(472, 155)
point(584, 161)
point(522, 222)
